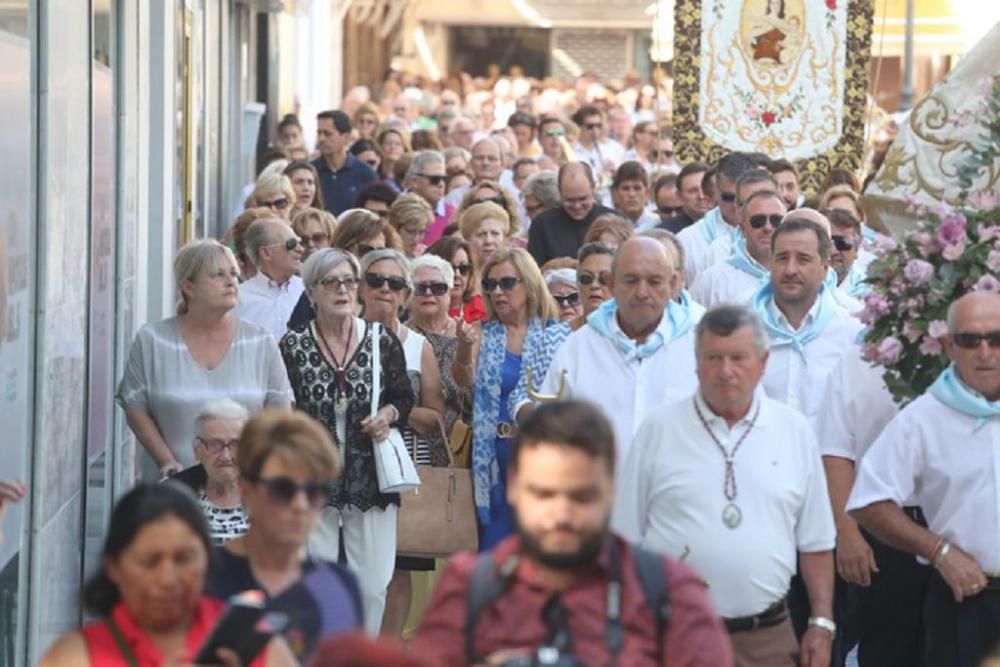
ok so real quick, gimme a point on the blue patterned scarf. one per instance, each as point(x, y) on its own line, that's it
point(486, 412)
point(781, 334)
point(676, 321)
point(950, 390)
point(741, 259)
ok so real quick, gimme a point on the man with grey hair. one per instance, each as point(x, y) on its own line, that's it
point(269, 298)
point(426, 177)
point(486, 164)
point(731, 481)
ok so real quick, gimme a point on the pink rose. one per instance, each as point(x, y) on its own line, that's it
point(930, 346)
point(983, 200)
point(918, 271)
point(889, 351)
point(937, 329)
point(876, 303)
point(925, 243)
point(953, 253)
point(987, 284)
point(911, 333)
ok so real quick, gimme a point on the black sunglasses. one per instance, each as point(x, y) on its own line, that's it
point(657, 154)
point(670, 211)
point(435, 288)
point(314, 239)
point(463, 269)
point(284, 489)
point(434, 179)
point(843, 243)
point(571, 299)
point(289, 244)
point(587, 279)
point(970, 341)
point(496, 199)
point(728, 197)
point(276, 203)
point(376, 280)
point(761, 219)
point(507, 283)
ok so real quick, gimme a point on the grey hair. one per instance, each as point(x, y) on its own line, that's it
point(543, 187)
point(259, 233)
point(322, 262)
point(421, 160)
point(456, 151)
point(220, 409)
point(727, 318)
point(560, 276)
point(432, 262)
point(386, 253)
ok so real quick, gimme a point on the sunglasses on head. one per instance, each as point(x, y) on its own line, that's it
point(571, 299)
point(728, 197)
point(761, 219)
point(279, 204)
point(289, 244)
point(376, 280)
point(496, 199)
point(314, 239)
point(434, 179)
point(587, 279)
point(431, 287)
point(463, 269)
point(843, 243)
point(971, 341)
point(284, 489)
point(507, 283)
point(658, 154)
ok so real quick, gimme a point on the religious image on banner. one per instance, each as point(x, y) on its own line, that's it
point(783, 77)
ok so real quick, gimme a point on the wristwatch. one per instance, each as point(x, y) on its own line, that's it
point(824, 623)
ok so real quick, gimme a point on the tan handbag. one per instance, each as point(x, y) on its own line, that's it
point(460, 441)
point(439, 518)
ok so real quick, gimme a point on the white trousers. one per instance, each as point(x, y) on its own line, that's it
point(370, 545)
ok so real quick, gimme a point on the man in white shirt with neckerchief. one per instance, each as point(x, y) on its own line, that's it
point(808, 329)
point(636, 350)
point(269, 298)
point(731, 481)
point(943, 450)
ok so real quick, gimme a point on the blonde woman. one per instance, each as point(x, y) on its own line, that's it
point(410, 215)
point(315, 229)
point(274, 191)
point(366, 120)
point(487, 227)
point(205, 352)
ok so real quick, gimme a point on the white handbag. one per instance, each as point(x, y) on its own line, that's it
point(394, 467)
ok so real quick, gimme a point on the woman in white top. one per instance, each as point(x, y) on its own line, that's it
point(385, 289)
point(206, 352)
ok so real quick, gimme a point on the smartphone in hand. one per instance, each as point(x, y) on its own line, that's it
point(245, 628)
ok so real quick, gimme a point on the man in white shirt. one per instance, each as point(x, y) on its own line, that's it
point(845, 231)
point(269, 298)
point(809, 331)
point(635, 352)
point(880, 590)
point(731, 481)
point(751, 181)
point(603, 155)
point(943, 450)
point(735, 279)
point(630, 195)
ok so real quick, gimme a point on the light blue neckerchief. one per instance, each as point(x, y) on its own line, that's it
point(950, 390)
point(854, 284)
point(677, 321)
point(713, 226)
point(781, 334)
point(741, 259)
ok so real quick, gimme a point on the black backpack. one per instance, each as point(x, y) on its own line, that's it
point(488, 582)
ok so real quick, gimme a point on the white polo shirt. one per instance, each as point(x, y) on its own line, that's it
point(269, 304)
point(724, 283)
point(673, 483)
point(931, 452)
point(696, 241)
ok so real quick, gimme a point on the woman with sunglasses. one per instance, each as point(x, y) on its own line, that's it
point(489, 364)
point(274, 191)
point(562, 287)
point(305, 183)
point(287, 466)
point(464, 302)
point(368, 152)
point(410, 215)
point(329, 366)
point(315, 228)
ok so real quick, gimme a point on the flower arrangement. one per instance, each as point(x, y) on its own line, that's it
point(914, 281)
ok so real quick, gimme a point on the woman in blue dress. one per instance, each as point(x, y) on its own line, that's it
point(519, 309)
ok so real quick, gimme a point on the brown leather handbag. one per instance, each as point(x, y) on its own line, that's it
point(439, 518)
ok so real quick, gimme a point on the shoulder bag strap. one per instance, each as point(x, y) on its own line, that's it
point(376, 334)
point(651, 570)
point(486, 584)
point(123, 646)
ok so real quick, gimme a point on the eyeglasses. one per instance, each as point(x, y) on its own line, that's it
point(507, 283)
point(655, 154)
point(554, 133)
point(284, 489)
point(571, 299)
point(587, 279)
point(761, 219)
point(496, 199)
point(318, 238)
point(728, 197)
point(376, 280)
point(434, 179)
point(435, 288)
point(970, 341)
point(463, 269)
point(291, 243)
point(280, 204)
point(215, 447)
point(670, 211)
point(844, 243)
point(333, 284)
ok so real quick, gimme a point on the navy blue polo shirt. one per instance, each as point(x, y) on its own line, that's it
point(340, 187)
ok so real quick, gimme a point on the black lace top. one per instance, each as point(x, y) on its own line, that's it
point(317, 393)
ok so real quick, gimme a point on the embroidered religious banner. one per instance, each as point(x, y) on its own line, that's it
point(783, 77)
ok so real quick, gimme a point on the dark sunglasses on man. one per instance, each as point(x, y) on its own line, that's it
point(571, 299)
point(289, 244)
point(282, 490)
point(728, 197)
point(761, 219)
point(431, 287)
point(376, 280)
point(669, 211)
point(434, 179)
point(970, 341)
point(844, 243)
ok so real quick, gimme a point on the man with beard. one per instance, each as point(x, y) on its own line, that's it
point(564, 586)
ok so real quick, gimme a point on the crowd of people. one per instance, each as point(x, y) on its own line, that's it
point(678, 454)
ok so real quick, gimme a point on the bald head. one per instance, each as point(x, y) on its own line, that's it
point(811, 215)
point(973, 327)
point(643, 282)
point(966, 311)
point(576, 189)
point(640, 248)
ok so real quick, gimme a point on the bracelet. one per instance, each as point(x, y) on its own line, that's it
point(823, 624)
point(937, 547)
point(945, 550)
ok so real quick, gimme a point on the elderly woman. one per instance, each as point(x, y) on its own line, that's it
point(305, 184)
point(215, 479)
point(491, 191)
point(610, 229)
point(394, 142)
point(287, 465)
point(385, 289)
point(329, 365)
point(315, 228)
point(360, 231)
point(274, 191)
point(487, 227)
point(562, 287)
point(205, 352)
point(519, 309)
point(540, 193)
point(410, 215)
point(157, 534)
point(465, 302)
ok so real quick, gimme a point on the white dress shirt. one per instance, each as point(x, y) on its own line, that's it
point(673, 483)
point(932, 453)
point(718, 251)
point(648, 220)
point(797, 381)
point(696, 243)
point(269, 304)
point(724, 283)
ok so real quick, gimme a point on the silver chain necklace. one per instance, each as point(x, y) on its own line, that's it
point(731, 513)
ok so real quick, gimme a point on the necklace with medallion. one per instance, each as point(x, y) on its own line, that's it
point(732, 516)
point(339, 365)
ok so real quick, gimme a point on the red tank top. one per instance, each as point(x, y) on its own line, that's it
point(104, 651)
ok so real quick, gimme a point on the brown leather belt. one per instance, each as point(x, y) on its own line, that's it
point(773, 615)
